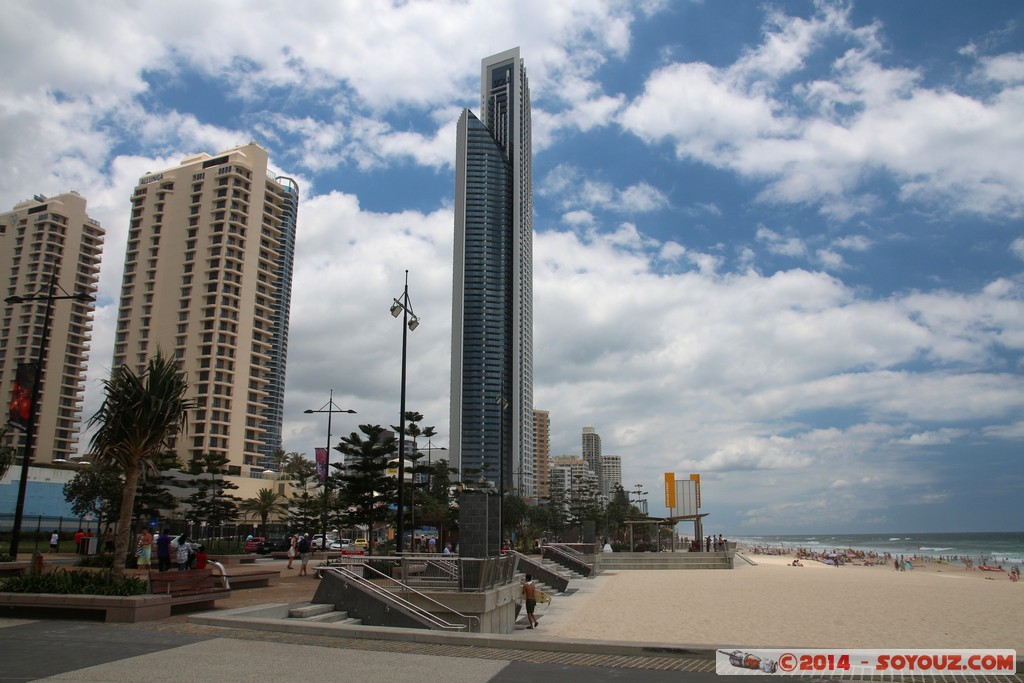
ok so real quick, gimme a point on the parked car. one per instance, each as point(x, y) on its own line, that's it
point(351, 549)
point(253, 544)
point(317, 542)
point(361, 542)
point(274, 544)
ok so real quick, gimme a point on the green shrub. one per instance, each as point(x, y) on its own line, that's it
point(95, 561)
point(75, 582)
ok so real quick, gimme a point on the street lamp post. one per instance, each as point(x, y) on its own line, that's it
point(430, 470)
point(639, 497)
point(403, 307)
point(330, 408)
point(26, 460)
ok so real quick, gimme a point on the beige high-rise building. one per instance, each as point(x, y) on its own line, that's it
point(207, 278)
point(611, 474)
point(541, 451)
point(567, 472)
point(49, 241)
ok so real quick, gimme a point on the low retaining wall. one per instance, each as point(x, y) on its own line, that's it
point(121, 609)
point(677, 560)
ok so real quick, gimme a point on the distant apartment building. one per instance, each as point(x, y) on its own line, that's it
point(591, 449)
point(207, 279)
point(49, 242)
point(611, 474)
point(541, 451)
point(570, 473)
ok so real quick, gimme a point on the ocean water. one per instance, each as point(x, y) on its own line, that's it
point(1005, 547)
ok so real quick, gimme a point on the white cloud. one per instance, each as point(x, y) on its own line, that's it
point(821, 140)
point(1017, 247)
point(858, 243)
point(778, 244)
point(577, 191)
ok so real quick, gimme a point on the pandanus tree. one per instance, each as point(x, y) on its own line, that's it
point(141, 415)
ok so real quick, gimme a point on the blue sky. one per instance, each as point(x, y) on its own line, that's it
point(778, 244)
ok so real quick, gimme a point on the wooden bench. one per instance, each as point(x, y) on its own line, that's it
point(178, 583)
point(198, 588)
point(247, 578)
point(235, 559)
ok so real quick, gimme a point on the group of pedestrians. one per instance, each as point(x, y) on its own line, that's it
point(302, 548)
point(178, 549)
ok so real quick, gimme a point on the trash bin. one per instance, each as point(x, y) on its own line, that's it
point(88, 545)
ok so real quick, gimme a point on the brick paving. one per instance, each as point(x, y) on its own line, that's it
point(294, 589)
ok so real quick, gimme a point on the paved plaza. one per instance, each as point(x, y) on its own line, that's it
point(88, 651)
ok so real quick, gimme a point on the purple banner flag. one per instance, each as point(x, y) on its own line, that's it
point(321, 465)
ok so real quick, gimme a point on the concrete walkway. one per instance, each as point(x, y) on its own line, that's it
point(194, 646)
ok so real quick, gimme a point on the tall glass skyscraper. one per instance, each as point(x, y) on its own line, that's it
point(273, 404)
point(492, 308)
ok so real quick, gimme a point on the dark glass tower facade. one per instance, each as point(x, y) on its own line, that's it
point(492, 310)
point(273, 404)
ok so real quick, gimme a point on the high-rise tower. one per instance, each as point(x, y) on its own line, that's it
point(491, 434)
point(542, 451)
point(592, 455)
point(44, 240)
point(207, 278)
point(273, 406)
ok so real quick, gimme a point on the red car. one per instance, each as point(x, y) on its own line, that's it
point(254, 544)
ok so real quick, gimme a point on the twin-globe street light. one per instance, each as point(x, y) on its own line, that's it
point(330, 408)
point(30, 424)
point(403, 307)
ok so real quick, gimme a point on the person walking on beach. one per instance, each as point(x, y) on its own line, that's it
point(530, 596)
point(54, 541)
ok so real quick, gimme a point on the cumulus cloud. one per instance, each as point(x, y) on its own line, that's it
point(577, 191)
point(822, 139)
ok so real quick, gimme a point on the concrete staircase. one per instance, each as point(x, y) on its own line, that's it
point(562, 571)
point(633, 561)
point(322, 614)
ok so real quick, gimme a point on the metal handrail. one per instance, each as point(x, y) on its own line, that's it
point(567, 551)
point(390, 596)
point(572, 559)
point(223, 573)
point(444, 572)
point(447, 567)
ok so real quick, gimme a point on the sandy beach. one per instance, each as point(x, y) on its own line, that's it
point(773, 604)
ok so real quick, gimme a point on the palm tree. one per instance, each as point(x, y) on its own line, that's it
point(266, 503)
point(140, 417)
point(296, 464)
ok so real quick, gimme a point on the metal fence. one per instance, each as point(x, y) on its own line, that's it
point(36, 530)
